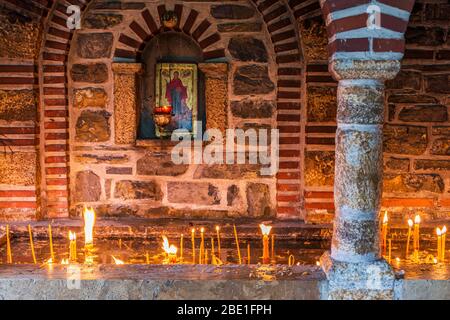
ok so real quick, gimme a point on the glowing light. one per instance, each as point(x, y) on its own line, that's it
point(385, 218)
point(265, 229)
point(417, 219)
point(72, 236)
point(438, 232)
point(117, 261)
point(65, 261)
point(444, 229)
point(410, 223)
point(169, 249)
point(89, 221)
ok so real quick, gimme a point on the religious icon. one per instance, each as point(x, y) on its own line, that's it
point(176, 86)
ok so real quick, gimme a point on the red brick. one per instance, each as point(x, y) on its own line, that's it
point(389, 45)
point(349, 45)
point(406, 5)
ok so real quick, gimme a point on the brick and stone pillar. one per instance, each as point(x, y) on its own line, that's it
point(362, 57)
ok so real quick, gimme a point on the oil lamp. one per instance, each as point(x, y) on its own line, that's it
point(169, 19)
point(162, 116)
point(265, 231)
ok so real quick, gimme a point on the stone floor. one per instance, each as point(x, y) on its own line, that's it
point(254, 282)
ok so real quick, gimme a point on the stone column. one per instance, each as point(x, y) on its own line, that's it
point(354, 268)
point(126, 88)
point(216, 94)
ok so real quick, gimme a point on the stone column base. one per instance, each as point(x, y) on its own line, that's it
point(372, 280)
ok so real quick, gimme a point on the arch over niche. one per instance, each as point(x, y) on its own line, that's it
point(279, 19)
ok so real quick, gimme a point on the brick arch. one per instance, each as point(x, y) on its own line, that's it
point(134, 40)
point(279, 18)
point(54, 110)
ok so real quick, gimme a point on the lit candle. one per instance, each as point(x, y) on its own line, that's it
point(193, 244)
point(390, 250)
point(206, 257)
point(444, 236)
point(416, 236)
point(265, 231)
point(50, 236)
point(410, 225)
point(248, 253)
point(72, 246)
point(89, 221)
point(181, 247)
point(147, 258)
point(384, 232)
point(439, 238)
point(8, 246)
point(33, 255)
point(218, 241)
point(237, 244)
point(213, 249)
point(273, 248)
point(202, 245)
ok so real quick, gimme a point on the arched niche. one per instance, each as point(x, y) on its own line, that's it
point(167, 48)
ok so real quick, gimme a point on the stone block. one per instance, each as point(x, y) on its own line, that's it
point(246, 48)
point(424, 113)
point(193, 193)
point(253, 109)
point(159, 165)
point(441, 165)
point(232, 12)
point(319, 168)
point(18, 35)
point(90, 98)
point(425, 36)
point(225, 171)
point(18, 105)
point(93, 126)
point(252, 79)
point(322, 104)
point(97, 159)
point(134, 190)
point(438, 83)
point(406, 183)
point(239, 27)
point(397, 164)
point(92, 73)
point(18, 168)
point(102, 20)
point(87, 187)
point(405, 139)
point(406, 80)
point(94, 45)
point(441, 147)
point(258, 200)
point(314, 38)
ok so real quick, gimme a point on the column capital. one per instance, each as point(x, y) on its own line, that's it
point(350, 69)
point(216, 70)
point(127, 68)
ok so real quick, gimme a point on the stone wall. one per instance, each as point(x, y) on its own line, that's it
point(416, 144)
point(19, 96)
point(122, 176)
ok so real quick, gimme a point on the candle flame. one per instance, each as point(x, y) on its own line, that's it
point(65, 261)
point(117, 261)
point(169, 249)
point(202, 230)
point(417, 219)
point(385, 218)
point(89, 221)
point(435, 260)
point(444, 229)
point(438, 232)
point(397, 259)
point(410, 223)
point(265, 229)
point(72, 236)
point(217, 228)
point(193, 230)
